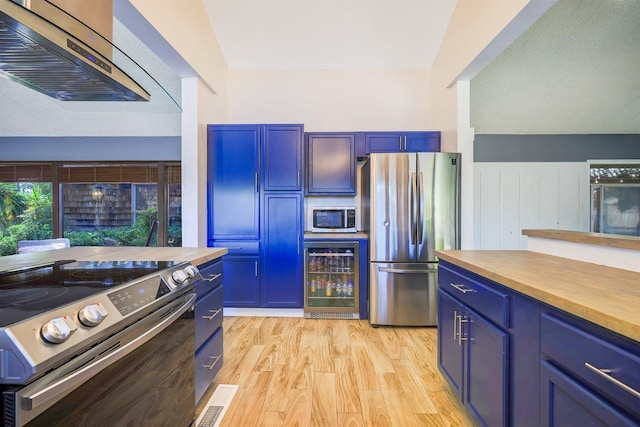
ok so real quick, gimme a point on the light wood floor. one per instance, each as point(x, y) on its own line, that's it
point(318, 372)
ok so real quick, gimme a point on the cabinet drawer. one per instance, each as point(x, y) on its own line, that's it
point(208, 315)
point(211, 278)
point(587, 357)
point(208, 363)
point(238, 247)
point(493, 304)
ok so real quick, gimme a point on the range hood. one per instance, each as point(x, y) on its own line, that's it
point(49, 46)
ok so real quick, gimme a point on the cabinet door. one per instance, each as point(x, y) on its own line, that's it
point(282, 251)
point(450, 354)
point(565, 402)
point(487, 375)
point(233, 181)
point(384, 142)
point(241, 281)
point(331, 164)
point(422, 141)
point(282, 157)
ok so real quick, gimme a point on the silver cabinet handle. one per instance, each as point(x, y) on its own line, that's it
point(461, 320)
point(256, 268)
point(604, 373)
point(455, 324)
point(212, 278)
point(216, 358)
point(298, 179)
point(460, 288)
point(298, 243)
point(400, 143)
point(215, 313)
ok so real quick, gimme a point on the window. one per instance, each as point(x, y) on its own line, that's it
point(91, 204)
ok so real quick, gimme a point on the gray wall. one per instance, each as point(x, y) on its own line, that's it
point(554, 148)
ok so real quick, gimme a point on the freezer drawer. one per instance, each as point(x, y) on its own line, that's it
point(403, 294)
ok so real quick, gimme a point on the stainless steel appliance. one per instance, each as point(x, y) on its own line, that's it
point(110, 343)
point(615, 198)
point(332, 278)
point(333, 219)
point(52, 46)
point(414, 210)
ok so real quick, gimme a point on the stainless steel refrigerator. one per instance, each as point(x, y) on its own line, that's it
point(413, 206)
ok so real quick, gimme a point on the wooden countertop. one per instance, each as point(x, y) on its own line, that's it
point(606, 296)
point(196, 256)
point(612, 240)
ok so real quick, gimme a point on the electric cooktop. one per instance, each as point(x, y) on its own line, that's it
point(29, 292)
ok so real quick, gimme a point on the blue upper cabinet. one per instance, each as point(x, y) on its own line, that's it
point(397, 142)
point(233, 156)
point(331, 164)
point(282, 157)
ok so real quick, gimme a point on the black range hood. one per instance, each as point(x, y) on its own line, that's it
point(49, 49)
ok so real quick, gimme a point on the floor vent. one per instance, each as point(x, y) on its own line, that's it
point(331, 315)
point(217, 406)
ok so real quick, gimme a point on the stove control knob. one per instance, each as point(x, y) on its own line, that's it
point(58, 330)
point(191, 271)
point(92, 315)
point(179, 276)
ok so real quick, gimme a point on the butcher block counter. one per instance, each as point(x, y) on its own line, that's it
point(197, 256)
point(606, 296)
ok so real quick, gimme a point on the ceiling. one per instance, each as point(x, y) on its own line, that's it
point(329, 34)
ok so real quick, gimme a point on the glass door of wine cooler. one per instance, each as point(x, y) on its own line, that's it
point(332, 279)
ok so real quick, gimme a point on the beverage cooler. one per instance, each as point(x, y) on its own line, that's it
point(332, 279)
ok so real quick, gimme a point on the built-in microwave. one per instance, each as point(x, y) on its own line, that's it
point(333, 219)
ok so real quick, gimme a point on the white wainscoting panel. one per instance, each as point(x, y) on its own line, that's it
point(510, 197)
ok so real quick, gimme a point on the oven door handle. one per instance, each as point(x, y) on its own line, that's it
point(37, 401)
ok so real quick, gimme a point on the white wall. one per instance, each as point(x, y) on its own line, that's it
point(332, 100)
point(510, 197)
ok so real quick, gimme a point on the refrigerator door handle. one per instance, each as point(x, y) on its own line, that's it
point(420, 207)
point(413, 208)
point(402, 270)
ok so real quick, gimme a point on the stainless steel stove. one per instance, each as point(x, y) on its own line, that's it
point(61, 324)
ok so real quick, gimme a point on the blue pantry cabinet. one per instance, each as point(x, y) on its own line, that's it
point(255, 182)
point(397, 142)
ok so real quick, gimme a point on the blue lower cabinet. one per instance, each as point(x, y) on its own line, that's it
point(209, 360)
point(242, 281)
point(282, 251)
point(208, 314)
point(473, 355)
point(450, 351)
point(565, 402)
point(487, 370)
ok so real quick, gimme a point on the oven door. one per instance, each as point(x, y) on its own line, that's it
point(143, 375)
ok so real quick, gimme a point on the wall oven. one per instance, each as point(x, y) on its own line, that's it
point(98, 343)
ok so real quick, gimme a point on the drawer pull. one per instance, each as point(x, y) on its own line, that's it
point(216, 358)
point(215, 313)
point(460, 288)
point(212, 278)
point(604, 373)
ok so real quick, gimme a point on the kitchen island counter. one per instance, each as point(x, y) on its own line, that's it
point(197, 256)
point(603, 295)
